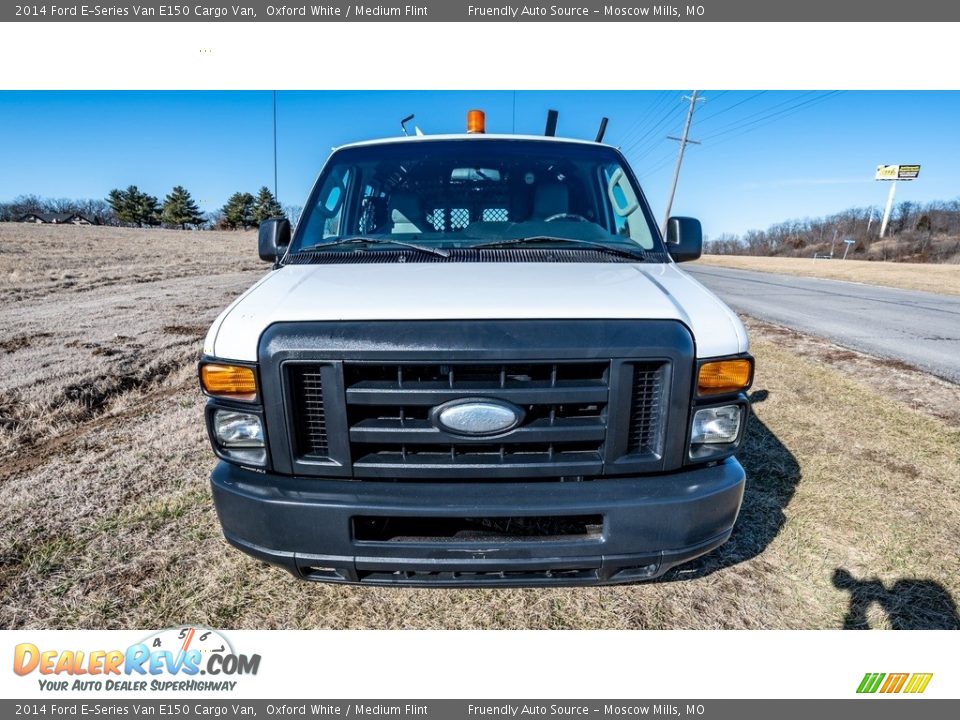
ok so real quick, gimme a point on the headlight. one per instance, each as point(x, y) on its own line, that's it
point(716, 426)
point(237, 429)
point(239, 436)
point(715, 431)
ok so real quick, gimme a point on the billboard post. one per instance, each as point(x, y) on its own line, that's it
point(886, 211)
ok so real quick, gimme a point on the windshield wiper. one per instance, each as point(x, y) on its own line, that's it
point(637, 254)
point(377, 241)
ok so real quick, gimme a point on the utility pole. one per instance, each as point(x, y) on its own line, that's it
point(684, 140)
point(276, 193)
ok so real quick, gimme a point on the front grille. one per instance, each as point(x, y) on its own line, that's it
point(362, 401)
point(646, 408)
point(563, 431)
point(310, 435)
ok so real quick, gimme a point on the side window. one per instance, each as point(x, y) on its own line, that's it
point(327, 216)
point(627, 213)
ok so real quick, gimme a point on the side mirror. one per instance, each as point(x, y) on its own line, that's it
point(273, 239)
point(684, 239)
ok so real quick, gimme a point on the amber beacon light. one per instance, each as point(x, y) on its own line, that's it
point(476, 122)
point(233, 382)
point(724, 376)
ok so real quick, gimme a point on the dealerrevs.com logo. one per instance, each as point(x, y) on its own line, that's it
point(173, 659)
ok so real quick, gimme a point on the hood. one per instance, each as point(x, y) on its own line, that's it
point(475, 291)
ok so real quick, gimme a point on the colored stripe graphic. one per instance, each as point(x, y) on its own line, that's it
point(918, 682)
point(870, 682)
point(894, 683)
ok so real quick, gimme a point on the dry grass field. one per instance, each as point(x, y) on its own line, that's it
point(909, 276)
point(851, 517)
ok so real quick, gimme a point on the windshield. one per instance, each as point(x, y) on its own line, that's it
point(448, 194)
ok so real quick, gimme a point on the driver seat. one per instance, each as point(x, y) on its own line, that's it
point(406, 212)
point(549, 199)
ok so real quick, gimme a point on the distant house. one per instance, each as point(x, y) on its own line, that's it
point(57, 219)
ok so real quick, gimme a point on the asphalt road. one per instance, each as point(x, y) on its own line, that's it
point(919, 328)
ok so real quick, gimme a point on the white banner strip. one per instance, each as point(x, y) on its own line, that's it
point(489, 664)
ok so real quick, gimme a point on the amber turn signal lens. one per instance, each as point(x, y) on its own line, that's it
point(233, 382)
point(476, 122)
point(724, 376)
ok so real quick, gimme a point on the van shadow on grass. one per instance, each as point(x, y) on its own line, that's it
point(909, 604)
point(773, 474)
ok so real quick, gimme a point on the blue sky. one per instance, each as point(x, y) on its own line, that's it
point(765, 157)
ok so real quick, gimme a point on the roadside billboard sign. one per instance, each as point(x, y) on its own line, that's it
point(897, 172)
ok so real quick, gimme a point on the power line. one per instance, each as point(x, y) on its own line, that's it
point(660, 163)
point(650, 140)
point(639, 122)
point(637, 126)
point(708, 116)
point(666, 116)
point(761, 114)
point(747, 127)
point(641, 152)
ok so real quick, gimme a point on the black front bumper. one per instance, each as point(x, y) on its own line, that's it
point(650, 524)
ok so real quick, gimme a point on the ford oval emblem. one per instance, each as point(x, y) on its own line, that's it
point(477, 416)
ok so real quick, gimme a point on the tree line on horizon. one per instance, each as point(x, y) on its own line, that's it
point(133, 207)
point(917, 232)
point(241, 211)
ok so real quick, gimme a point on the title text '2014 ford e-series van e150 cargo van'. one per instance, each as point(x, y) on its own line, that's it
point(476, 362)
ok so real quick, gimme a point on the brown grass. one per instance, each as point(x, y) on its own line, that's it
point(91, 315)
point(852, 513)
point(908, 276)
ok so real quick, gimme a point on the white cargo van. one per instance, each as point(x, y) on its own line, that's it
point(477, 362)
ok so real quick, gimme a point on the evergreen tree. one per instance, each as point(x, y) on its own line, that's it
point(133, 207)
point(180, 209)
point(265, 206)
point(148, 210)
point(238, 212)
point(123, 208)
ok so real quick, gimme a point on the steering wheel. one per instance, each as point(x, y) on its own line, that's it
point(567, 216)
